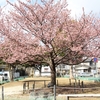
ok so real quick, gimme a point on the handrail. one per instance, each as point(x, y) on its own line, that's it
point(79, 95)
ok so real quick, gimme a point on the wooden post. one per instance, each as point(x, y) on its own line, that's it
point(82, 85)
point(34, 84)
point(67, 98)
point(74, 88)
point(44, 83)
point(28, 85)
point(57, 82)
point(75, 82)
point(24, 87)
point(79, 83)
point(2, 93)
point(52, 89)
point(70, 82)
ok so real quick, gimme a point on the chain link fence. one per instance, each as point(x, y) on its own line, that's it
point(32, 96)
point(37, 94)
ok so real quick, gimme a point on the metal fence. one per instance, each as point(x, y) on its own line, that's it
point(41, 95)
point(33, 95)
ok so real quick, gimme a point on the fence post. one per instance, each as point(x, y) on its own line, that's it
point(2, 93)
point(54, 92)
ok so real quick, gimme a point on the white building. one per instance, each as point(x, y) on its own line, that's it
point(89, 66)
point(5, 75)
point(45, 71)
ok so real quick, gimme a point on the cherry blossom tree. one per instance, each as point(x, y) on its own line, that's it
point(47, 33)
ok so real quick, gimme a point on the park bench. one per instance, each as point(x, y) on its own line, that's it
point(80, 95)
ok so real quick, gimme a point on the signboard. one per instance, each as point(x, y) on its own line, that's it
point(95, 60)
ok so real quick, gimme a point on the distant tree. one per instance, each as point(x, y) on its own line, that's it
point(46, 33)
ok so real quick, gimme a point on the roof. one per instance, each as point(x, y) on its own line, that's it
point(82, 66)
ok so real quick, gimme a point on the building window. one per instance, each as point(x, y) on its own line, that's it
point(46, 69)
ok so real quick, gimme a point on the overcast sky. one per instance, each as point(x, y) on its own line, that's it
point(89, 5)
point(75, 6)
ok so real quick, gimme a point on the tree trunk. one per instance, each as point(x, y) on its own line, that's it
point(40, 72)
point(53, 76)
point(11, 73)
point(40, 68)
point(53, 71)
point(31, 72)
point(71, 72)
